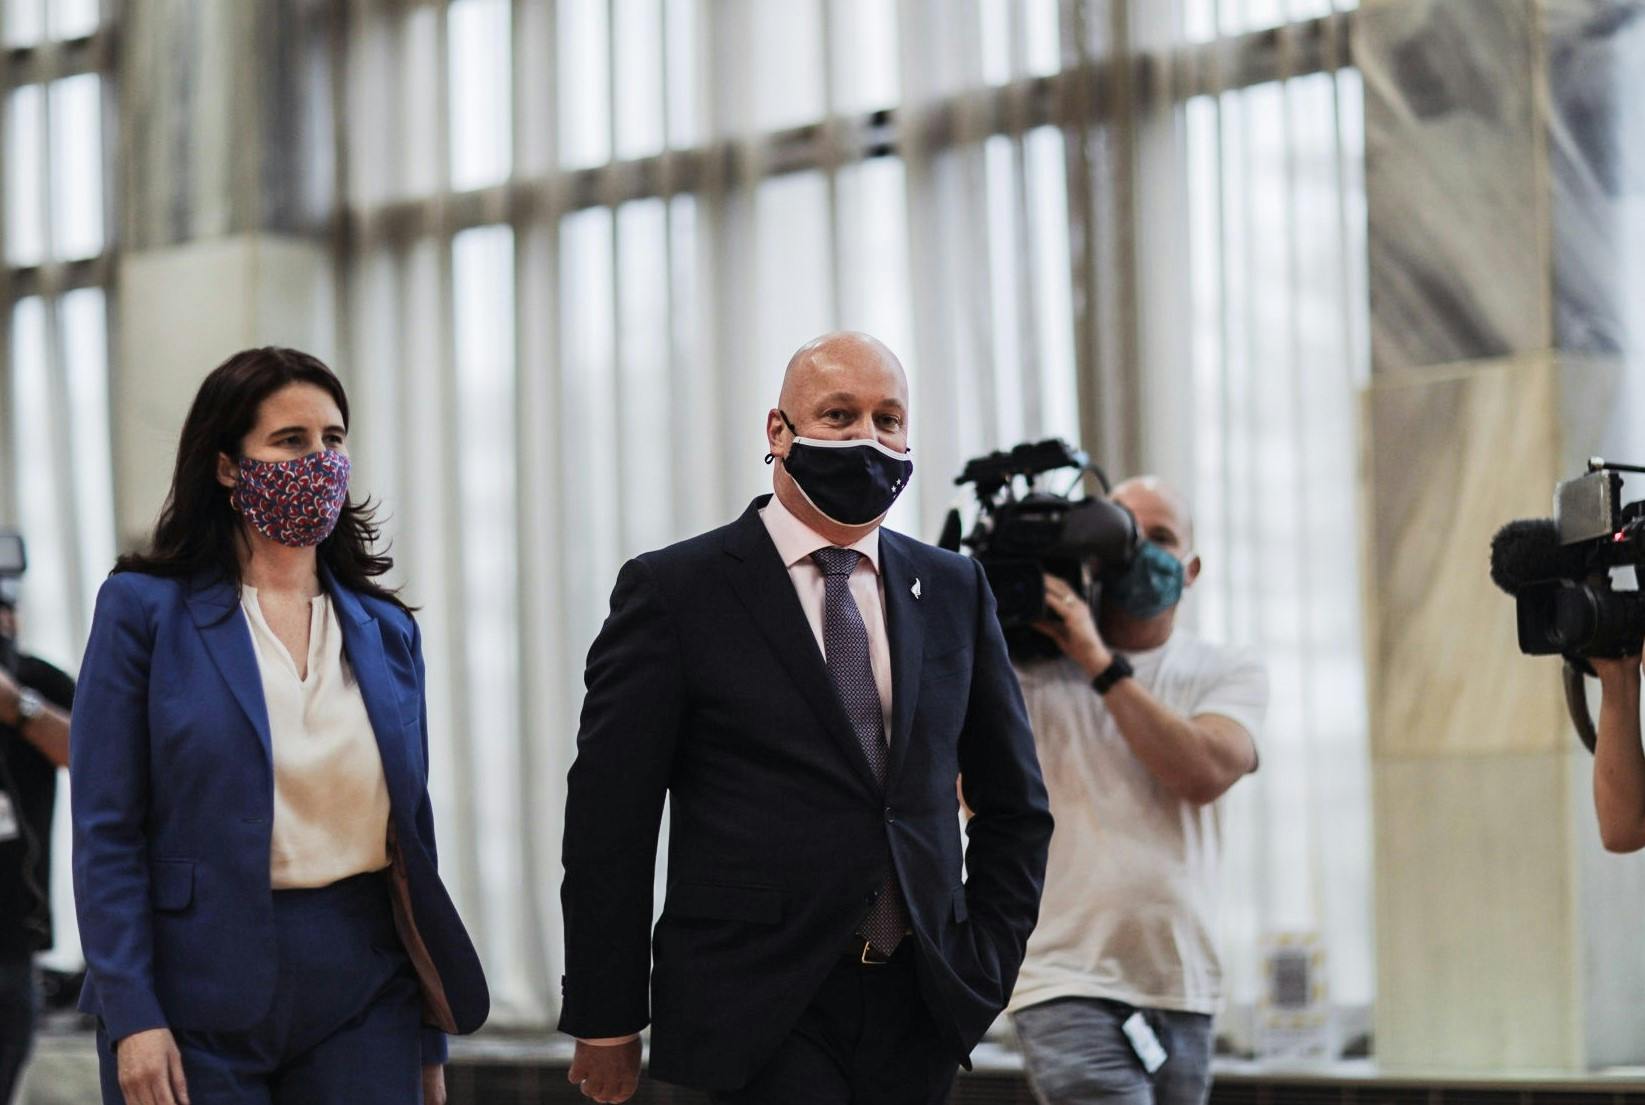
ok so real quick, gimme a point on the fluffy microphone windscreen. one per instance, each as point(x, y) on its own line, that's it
point(1528, 551)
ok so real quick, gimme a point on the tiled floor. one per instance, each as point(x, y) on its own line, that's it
point(503, 1069)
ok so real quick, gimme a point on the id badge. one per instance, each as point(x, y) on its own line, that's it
point(10, 829)
point(1150, 1052)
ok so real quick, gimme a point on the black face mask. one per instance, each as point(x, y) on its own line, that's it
point(851, 483)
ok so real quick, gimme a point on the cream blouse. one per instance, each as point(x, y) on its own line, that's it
point(331, 804)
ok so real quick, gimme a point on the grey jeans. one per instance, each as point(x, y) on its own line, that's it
point(1076, 1054)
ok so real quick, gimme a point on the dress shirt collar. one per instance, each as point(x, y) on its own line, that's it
point(796, 541)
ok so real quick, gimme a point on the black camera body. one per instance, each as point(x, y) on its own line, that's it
point(1560, 570)
point(1020, 537)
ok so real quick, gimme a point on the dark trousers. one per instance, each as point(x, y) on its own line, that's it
point(19, 1007)
point(866, 1039)
point(343, 1026)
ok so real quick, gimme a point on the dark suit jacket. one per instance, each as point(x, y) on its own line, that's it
point(706, 685)
point(173, 804)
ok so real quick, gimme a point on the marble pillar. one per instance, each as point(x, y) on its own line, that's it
point(226, 176)
point(1504, 143)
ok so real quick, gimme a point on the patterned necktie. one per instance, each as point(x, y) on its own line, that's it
point(845, 647)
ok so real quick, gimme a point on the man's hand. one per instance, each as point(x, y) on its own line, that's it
point(434, 1084)
point(1073, 628)
point(151, 1069)
point(608, 1072)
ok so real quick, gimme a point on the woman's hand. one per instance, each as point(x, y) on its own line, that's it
point(151, 1069)
point(1614, 672)
point(434, 1084)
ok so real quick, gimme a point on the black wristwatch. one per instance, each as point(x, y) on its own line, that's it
point(1119, 669)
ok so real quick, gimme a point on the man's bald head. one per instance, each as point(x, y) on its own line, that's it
point(1162, 512)
point(842, 386)
point(837, 360)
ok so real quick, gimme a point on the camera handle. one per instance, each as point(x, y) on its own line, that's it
point(1576, 704)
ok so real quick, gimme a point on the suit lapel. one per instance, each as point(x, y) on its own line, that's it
point(215, 607)
point(761, 583)
point(905, 623)
point(363, 645)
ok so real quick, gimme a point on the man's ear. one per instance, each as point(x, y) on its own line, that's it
point(775, 433)
point(228, 470)
point(1191, 571)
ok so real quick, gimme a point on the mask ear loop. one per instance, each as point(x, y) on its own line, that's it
point(769, 457)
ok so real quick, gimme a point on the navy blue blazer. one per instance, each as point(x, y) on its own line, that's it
point(706, 686)
point(173, 805)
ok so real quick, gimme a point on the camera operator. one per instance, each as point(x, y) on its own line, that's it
point(1140, 728)
point(34, 742)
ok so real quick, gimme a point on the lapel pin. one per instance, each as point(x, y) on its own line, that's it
point(916, 587)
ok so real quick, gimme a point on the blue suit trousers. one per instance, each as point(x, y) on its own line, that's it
point(343, 1028)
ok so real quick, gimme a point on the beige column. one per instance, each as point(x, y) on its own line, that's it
point(1506, 938)
point(226, 183)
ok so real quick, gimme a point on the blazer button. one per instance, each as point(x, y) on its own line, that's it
point(890, 815)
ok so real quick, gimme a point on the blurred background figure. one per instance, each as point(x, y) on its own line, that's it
point(35, 699)
point(1141, 728)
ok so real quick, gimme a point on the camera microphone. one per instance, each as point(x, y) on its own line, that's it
point(1528, 551)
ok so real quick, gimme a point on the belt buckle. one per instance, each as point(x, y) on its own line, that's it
point(868, 957)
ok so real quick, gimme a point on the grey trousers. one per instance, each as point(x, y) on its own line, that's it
point(1076, 1054)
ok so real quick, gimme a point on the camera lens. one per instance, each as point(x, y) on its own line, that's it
point(1576, 618)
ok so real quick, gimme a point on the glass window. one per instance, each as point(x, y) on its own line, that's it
point(1276, 367)
point(1041, 36)
point(638, 37)
point(787, 62)
point(585, 83)
point(865, 76)
point(589, 440)
point(1005, 289)
point(77, 167)
point(482, 115)
point(795, 266)
point(645, 397)
point(25, 22)
point(419, 101)
point(26, 176)
point(72, 18)
point(1047, 186)
point(483, 330)
point(684, 45)
point(47, 604)
point(83, 320)
point(29, 22)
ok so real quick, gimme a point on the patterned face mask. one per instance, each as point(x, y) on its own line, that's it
point(295, 502)
point(1152, 584)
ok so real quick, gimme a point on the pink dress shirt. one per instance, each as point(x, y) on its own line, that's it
point(795, 543)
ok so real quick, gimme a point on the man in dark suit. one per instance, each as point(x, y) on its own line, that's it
point(805, 688)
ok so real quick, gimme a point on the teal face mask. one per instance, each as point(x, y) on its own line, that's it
point(1151, 585)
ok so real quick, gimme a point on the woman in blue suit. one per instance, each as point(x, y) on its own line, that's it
point(254, 862)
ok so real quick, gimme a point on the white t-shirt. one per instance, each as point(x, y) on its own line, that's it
point(1130, 905)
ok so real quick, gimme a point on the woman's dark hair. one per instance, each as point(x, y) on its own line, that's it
point(199, 531)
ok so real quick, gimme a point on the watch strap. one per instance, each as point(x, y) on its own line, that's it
point(1119, 669)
